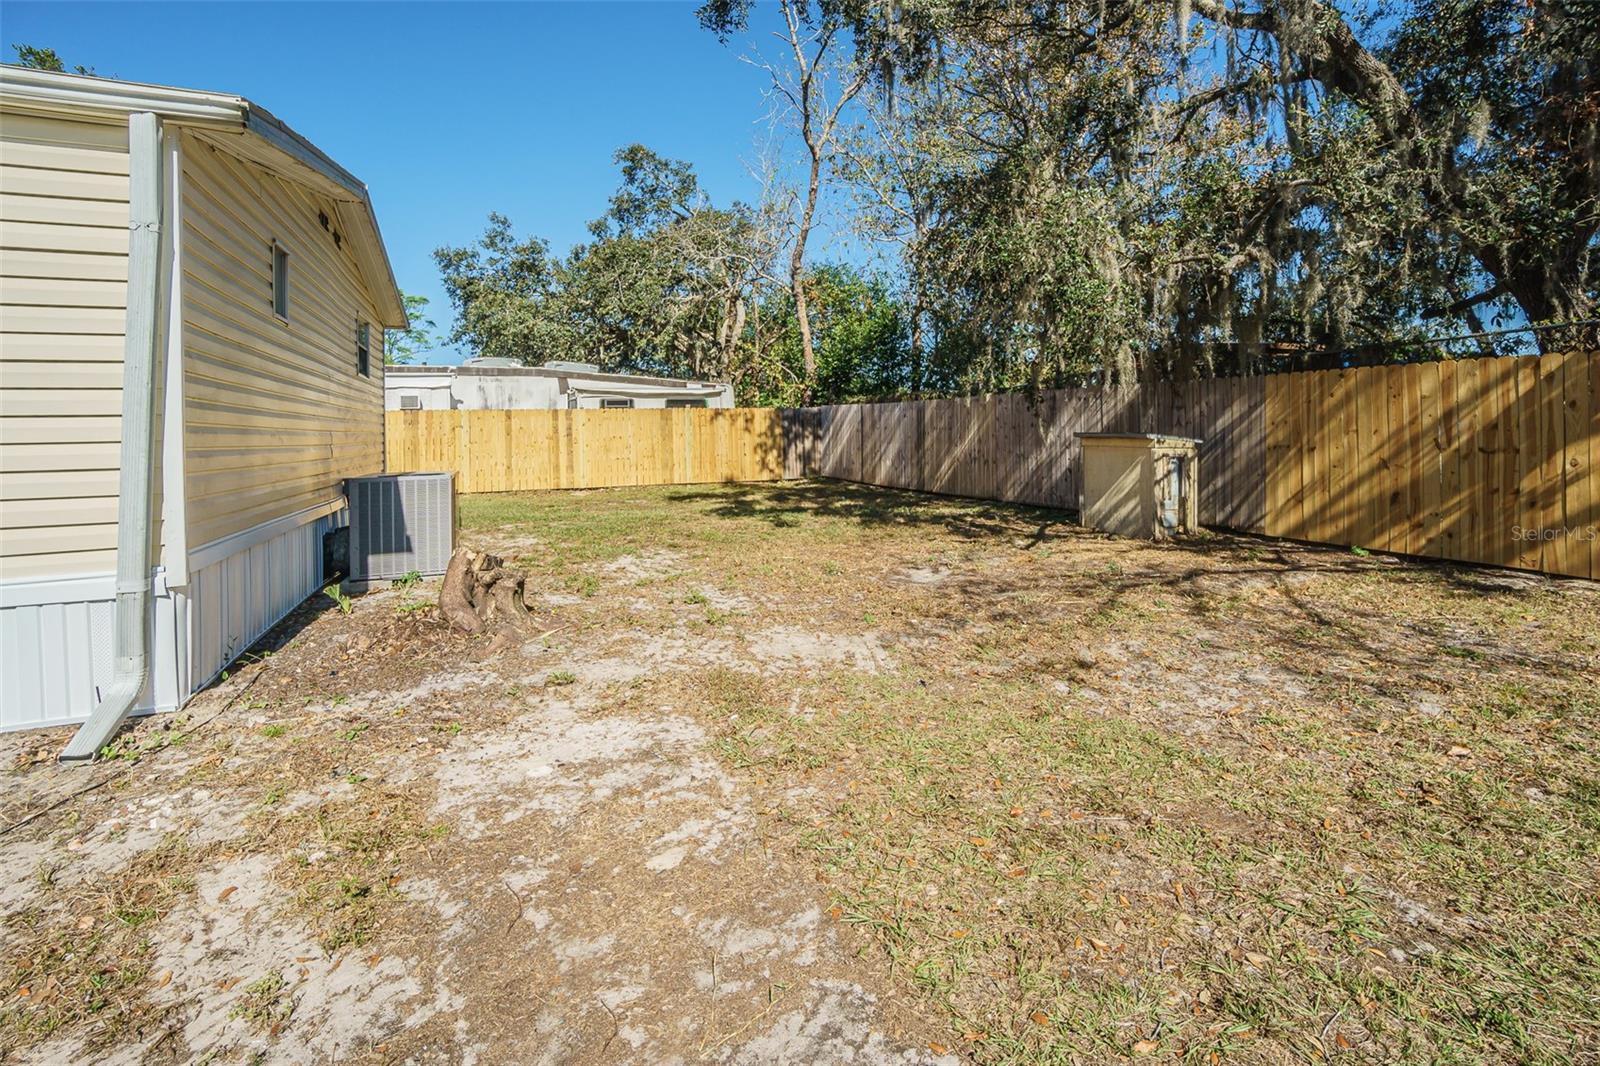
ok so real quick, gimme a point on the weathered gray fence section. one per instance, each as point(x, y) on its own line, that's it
point(801, 441)
point(1025, 449)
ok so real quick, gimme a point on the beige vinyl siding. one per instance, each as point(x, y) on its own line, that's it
point(63, 271)
point(276, 415)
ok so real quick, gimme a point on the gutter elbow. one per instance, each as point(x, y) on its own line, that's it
point(118, 702)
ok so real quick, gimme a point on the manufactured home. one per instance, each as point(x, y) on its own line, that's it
point(192, 306)
point(494, 384)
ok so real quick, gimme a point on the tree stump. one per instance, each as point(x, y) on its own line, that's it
point(479, 593)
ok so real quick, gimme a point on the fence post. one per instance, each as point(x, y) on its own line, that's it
point(464, 451)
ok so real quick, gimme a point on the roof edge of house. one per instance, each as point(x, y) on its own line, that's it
point(67, 94)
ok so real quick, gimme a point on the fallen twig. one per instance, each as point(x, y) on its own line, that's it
point(521, 906)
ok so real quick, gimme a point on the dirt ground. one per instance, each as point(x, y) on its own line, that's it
point(813, 773)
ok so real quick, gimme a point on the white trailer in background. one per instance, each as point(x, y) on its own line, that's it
point(502, 385)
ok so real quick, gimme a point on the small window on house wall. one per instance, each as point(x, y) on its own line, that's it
point(686, 403)
point(363, 349)
point(410, 403)
point(280, 281)
point(615, 403)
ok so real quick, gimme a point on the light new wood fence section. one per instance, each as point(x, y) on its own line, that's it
point(506, 451)
point(1481, 460)
point(1025, 450)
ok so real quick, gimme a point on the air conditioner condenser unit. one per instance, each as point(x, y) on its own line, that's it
point(400, 524)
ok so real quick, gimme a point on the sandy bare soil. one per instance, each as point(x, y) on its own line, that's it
point(819, 774)
point(484, 864)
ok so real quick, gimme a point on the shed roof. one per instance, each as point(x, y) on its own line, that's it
point(236, 125)
point(1151, 438)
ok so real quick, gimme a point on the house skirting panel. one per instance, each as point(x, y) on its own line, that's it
point(56, 634)
point(56, 649)
point(241, 586)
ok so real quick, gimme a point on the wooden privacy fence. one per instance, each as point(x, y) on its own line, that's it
point(1483, 460)
point(1479, 460)
point(1024, 450)
point(504, 451)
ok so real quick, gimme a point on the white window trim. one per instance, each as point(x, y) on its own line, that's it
point(280, 249)
point(363, 365)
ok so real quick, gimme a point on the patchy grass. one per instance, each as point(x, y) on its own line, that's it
point(86, 961)
point(1225, 801)
point(1063, 882)
point(341, 859)
point(266, 1002)
point(1079, 799)
point(343, 871)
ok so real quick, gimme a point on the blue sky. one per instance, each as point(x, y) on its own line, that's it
point(449, 110)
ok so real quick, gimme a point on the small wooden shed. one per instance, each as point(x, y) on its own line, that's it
point(1140, 485)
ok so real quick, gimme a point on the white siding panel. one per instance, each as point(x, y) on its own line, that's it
point(49, 565)
point(83, 142)
point(55, 637)
point(55, 538)
point(35, 263)
point(47, 428)
point(65, 159)
point(90, 403)
point(236, 599)
point(56, 657)
point(32, 318)
point(55, 211)
point(55, 237)
point(37, 374)
point(57, 183)
point(58, 457)
point(22, 681)
point(21, 514)
point(59, 484)
point(62, 292)
point(59, 348)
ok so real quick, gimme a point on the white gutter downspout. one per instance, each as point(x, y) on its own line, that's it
point(140, 366)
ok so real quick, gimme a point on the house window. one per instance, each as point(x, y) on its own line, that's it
point(686, 403)
point(410, 403)
point(609, 402)
point(280, 281)
point(363, 349)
